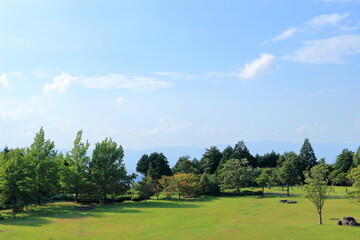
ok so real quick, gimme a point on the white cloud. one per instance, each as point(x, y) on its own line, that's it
point(168, 125)
point(284, 35)
point(60, 83)
point(330, 19)
point(257, 67)
point(22, 111)
point(330, 50)
point(145, 84)
point(119, 100)
point(178, 75)
point(4, 81)
point(111, 81)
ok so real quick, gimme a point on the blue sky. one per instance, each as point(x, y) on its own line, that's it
point(180, 73)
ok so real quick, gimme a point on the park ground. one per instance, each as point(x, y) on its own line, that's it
point(230, 217)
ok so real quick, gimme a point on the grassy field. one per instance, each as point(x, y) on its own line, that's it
point(204, 218)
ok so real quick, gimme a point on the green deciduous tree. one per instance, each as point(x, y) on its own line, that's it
point(209, 184)
point(236, 174)
point(15, 180)
point(354, 177)
point(266, 177)
point(75, 175)
point(356, 158)
point(147, 187)
point(42, 158)
point(108, 171)
point(289, 171)
point(344, 161)
point(316, 189)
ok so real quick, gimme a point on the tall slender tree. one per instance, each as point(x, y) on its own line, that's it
point(75, 173)
point(42, 157)
point(307, 155)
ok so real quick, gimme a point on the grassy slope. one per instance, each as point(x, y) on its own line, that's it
point(206, 218)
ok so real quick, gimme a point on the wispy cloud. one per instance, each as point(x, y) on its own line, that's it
point(284, 35)
point(22, 111)
point(4, 81)
point(330, 50)
point(60, 83)
point(257, 67)
point(144, 84)
point(327, 19)
point(112, 81)
point(119, 100)
point(177, 75)
point(168, 125)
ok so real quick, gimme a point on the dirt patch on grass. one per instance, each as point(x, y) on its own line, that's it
point(4, 231)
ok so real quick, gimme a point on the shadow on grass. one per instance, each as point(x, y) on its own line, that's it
point(40, 215)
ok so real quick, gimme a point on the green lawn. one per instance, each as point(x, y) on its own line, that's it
point(204, 218)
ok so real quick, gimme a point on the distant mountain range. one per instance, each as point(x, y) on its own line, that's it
point(327, 150)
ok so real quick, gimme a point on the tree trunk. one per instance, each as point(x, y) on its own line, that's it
point(238, 191)
point(320, 217)
point(288, 190)
point(179, 196)
point(263, 190)
point(76, 197)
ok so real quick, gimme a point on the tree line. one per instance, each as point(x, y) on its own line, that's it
point(36, 173)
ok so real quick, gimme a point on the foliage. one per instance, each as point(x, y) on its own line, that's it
point(108, 170)
point(15, 180)
point(209, 184)
point(75, 172)
point(184, 185)
point(147, 187)
point(211, 160)
point(338, 178)
point(156, 164)
point(356, 158)
point(266, 177)
point(226, 155)
point(184, 165)
point(240, 151)
point(316, 189)
point(236, 174)
point(344, 161)
point(354, 177)
point(42, 158)
point(289, 172)
point(268, 160)
point(307, 155)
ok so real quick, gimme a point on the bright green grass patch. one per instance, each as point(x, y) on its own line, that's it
point(204, 218)
point(335, 190)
